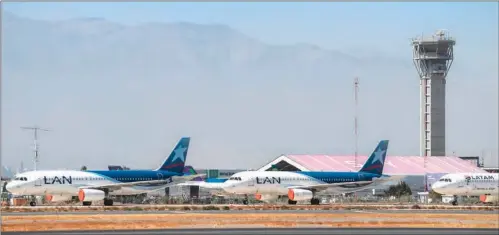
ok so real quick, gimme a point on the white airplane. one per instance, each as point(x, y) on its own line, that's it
point(304, 185)
point(63, 185)
point(469, 184)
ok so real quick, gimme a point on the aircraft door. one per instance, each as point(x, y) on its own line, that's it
point(251, 182)
point(464, 185)
point(38, 182)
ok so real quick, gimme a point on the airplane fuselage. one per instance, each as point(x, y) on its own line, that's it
point(278, 182)
point(471, 184)
point(67, 182)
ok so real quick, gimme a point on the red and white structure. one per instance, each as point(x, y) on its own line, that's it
point(394, 165)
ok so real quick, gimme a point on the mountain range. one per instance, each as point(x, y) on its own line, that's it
point(104, 87)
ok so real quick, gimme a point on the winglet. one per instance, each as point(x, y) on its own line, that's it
point(376, 161)
point(176, 160)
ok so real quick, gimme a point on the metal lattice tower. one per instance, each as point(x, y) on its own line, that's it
point(432, 57)
point(356, 120)
point(35, 130)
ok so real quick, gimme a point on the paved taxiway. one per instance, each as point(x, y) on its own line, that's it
point(419, 211)
point(276, 231)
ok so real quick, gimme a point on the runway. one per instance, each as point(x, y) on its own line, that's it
point(277, 231)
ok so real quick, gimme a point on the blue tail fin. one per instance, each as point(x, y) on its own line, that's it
point(376, 161)
point(176, 161)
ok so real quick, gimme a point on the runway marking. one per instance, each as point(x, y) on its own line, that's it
point(367, 212)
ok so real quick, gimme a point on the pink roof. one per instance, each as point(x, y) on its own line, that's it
point(396, 165)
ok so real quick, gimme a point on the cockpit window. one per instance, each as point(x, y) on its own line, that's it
point(235, 178)
point(445, 180)
point(21, 179)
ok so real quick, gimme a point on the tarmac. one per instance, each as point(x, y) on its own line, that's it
point(276, 231)
point(400, 211)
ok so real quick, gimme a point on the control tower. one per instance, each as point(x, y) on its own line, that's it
point(433, 58)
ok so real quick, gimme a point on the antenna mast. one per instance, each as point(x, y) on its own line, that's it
point(35, 130)
point(356, 126)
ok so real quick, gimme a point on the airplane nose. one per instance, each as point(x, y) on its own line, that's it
point(9, 187)
point(227, 187)
point(437, 187)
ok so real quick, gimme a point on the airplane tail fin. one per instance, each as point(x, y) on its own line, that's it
point(175, 162)
point(189, 170)
point(376, 161)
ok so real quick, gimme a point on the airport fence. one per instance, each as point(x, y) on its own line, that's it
point(207, 200)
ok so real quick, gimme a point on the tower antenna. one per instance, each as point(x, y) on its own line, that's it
point(35, 130)
point(356, 124)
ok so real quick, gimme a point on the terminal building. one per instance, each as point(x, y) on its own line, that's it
point(218, 173)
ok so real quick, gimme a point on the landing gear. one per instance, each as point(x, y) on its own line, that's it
point(87, 203)
point(245, 200)
point(291, 202)
point(314, 201)
point(454, 201)
point(32, 200)
point(108, 202)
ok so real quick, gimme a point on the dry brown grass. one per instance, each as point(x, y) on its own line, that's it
point(158, 221)
point(194, 216)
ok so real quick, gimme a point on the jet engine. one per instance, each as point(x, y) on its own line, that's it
point(300, 194)
point(489, 198)
point(265, 197)
point(86, 195)
point(58, 198)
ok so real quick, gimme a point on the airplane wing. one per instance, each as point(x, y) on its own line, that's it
point(321, 187)
point(347, 185)
point(191, 183)
point(213, 188)
point(173, 180)
point(392, 178)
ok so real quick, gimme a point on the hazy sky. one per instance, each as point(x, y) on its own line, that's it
point(363, 30)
